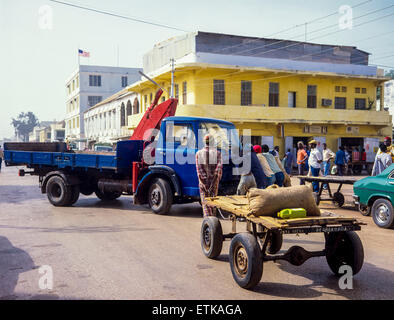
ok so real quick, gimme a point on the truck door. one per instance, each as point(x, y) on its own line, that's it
point(180, 150)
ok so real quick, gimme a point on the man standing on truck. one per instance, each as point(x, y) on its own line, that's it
point(209, 172)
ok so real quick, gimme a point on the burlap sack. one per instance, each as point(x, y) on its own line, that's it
point(268, 202)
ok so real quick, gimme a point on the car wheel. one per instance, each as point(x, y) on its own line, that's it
point(383, 213)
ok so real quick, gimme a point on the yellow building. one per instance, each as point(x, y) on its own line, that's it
point(284, 93)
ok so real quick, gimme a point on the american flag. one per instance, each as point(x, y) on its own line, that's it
point(82, 53)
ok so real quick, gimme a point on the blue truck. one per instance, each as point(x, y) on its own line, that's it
point(164, 181)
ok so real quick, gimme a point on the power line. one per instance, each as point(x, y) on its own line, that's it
point(321, 29)
point(120, 16)
point(291, 28)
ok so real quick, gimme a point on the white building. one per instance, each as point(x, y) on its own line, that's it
point(86, 87)
point(389, 97)
point(107, 121)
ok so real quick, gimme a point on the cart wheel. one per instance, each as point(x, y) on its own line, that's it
point(365, 210)
point(275, 243)
point(344, 248)
point(383, 213)
point(338, 199)
point(245, 260)
point(211, 237)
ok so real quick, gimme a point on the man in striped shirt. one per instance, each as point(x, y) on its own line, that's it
point(209, 172)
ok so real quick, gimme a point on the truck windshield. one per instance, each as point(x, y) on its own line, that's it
point(224, 135)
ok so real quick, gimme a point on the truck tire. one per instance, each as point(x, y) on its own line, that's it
point(211, 237)
point(246, 262)
point(160, 196)
point(383, 213)
point(58, 193)
point(344, 248)
point(107, 196)
point(75, 194)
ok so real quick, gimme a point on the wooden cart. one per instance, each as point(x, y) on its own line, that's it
point(337, 197)
point(263, 238)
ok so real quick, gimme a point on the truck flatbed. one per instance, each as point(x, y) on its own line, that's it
point(263, 238)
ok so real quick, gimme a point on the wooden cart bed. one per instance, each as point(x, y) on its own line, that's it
point(238, 205)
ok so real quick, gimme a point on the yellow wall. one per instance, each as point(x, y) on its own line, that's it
point(264, 120)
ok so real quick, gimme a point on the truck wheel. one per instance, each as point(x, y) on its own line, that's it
point(382, 213)
point(107, 196)
point(58, 193)
point(246, 262)
point(275, 243)
point(211, 237)
point(160, 196)
point(344, 248)
point(338, 199)
point(75, 194)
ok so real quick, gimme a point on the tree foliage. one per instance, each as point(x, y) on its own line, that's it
point(390, 74)
point(24, 124)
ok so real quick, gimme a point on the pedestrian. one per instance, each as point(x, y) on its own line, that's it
point(348, 159)
point(288, 161)
point(246, 182)
point(308, 152)
point(328, 155)
point(315, 161)
point(256, 168)
point(270, 176)
point(275, 151)
point(279, 176)
point(340, 160)
point(390, 148)
point(209, 172)
point(382, 160)
point(302, 156)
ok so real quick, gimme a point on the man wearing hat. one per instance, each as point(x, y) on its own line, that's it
point(209, 172)
point(315, 160)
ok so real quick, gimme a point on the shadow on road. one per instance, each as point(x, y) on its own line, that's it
point(13, 261)
point(18, 194)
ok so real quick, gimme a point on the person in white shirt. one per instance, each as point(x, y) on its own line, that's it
point(328, 155)
point(315, 160)
point(382, 160)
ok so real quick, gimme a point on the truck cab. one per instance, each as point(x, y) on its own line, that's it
point(174, 165)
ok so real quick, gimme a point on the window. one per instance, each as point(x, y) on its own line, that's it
point(73, 123)
point(150, 98)
point(136, 106)
point(219, 134)
point(94, 81)
point(364, 90)
point(93, 100)
point(146, 101)
point(48, 135)
point(176, 91)
point(184, 92)
point(246, 93)
point(218, 92)
point(340, 103)
point(128, 109)
point(78, 122)
point(124, 82)
point(122, 115)
point(73, 85)
point(358, 90)
point(311, 99)
point(337, 89)
point(344, 89)
point(77, 81)
point(359, 104)
point(180, 133)
point(273, 94)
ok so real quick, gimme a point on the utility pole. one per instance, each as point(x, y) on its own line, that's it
point(172, 76)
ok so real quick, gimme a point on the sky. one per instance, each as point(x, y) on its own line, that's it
point(35, 60)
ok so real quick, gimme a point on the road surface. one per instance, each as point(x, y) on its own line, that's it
point(120, 251)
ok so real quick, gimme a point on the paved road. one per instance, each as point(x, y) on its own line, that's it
point(121, 251)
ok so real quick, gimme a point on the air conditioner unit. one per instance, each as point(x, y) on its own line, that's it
point(326, 102)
